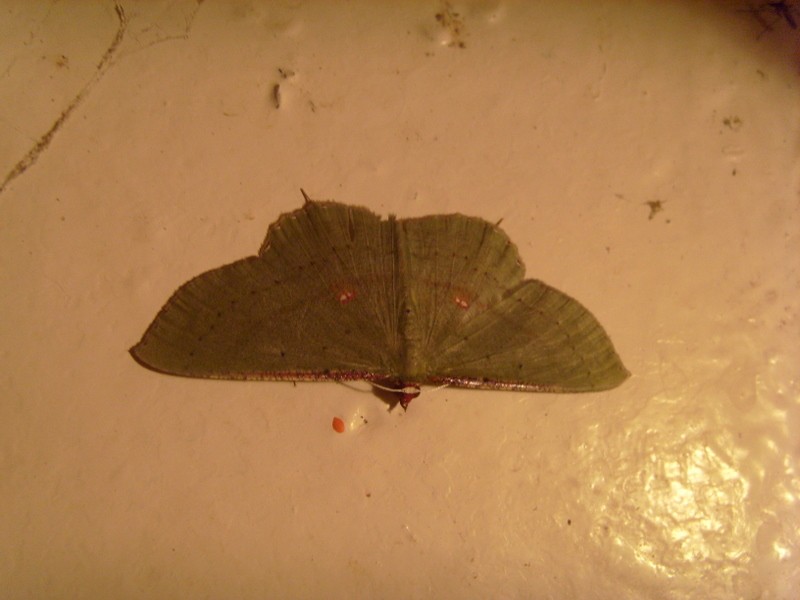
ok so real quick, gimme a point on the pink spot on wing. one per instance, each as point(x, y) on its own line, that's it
point(346, 296)
point(461, 301)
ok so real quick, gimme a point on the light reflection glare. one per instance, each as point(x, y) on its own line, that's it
point(696, 501)
point(781, 551)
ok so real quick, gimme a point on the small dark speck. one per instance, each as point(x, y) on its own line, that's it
point(733, 123)
point(276, 95)
point(369, 495)
point(452, 22)
point(569, 521)
point(656, 206)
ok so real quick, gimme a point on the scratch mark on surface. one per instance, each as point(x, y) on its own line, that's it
point(44, 141)
point(166, 37)
point(8, 68)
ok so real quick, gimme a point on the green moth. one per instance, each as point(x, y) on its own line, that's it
point(337, 293)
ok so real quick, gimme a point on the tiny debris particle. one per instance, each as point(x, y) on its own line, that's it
point(338, 425)
point(733, 123)
point(451, 22)
point(656, 206)
point(276, 95)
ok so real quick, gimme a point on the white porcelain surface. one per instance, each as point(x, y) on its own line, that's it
point(643, 156)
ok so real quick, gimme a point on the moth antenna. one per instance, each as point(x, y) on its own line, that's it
point(308, 199)
point(439, 388)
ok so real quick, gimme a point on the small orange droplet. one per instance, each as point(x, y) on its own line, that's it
point(338, 425)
